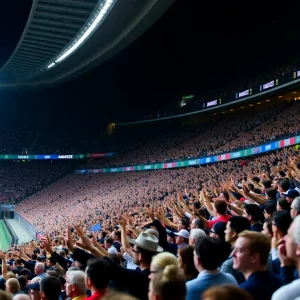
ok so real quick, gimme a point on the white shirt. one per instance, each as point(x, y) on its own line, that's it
point(130, 264)
point(112, 250)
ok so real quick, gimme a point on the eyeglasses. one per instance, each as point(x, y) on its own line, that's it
point(135, 251)
point(153, 272)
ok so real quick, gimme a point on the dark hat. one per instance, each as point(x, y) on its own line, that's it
point(34, 286)
point(291, 194)
point(219, 229)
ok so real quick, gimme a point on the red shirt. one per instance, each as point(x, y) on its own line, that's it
point(223, 218)
point(96, 296)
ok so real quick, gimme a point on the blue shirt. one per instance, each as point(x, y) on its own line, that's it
point(262, 285)
point(205, 280)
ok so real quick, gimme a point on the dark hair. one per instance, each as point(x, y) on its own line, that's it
point(226, 195)
point(103, 234)
point(253, 210)
point(269, 221)
point(282, 219)
point(147, 255)
point(267, 183)
point(270, 208)
point(109, 240)
point(284, 184)
point(51, 287)
point(25, 272)
point(271, 193)
point(282, 202)
point(250, 186)
point(117, 233)
point(185, 222)
point(256, 179)
point(208, 250)
point(99, 271)
point(239, 224)
point(33, 256)
point(257, 191)
point(187, 255)
point(221, 206)
point(199, 223)
point(22, 280)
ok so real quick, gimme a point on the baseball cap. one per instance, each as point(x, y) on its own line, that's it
point(291, 194)
point(219, 229)
point(183, 233)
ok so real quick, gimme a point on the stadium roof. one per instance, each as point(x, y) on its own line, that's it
point(64, 38)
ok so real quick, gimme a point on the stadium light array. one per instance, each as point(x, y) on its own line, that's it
point(94, 22)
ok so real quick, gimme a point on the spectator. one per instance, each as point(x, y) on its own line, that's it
point(207, 258)
point(250, 256)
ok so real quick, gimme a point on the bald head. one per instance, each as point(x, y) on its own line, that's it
point(21, 297)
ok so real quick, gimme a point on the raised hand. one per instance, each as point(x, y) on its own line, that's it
point(69, 240)
point(85, 241)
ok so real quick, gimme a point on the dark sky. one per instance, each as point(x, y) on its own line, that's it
point(197, 46)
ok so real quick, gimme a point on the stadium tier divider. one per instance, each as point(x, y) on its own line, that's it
point(15, 239)
point(31, 229)
point(268, 146)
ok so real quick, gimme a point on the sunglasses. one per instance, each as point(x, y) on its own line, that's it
point(135, 251)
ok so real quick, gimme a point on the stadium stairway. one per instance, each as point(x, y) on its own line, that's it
point(5, 238)
point(22, 234)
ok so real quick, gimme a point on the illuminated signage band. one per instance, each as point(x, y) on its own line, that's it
point(244, 93)
point(212, 103)
point(269, 85)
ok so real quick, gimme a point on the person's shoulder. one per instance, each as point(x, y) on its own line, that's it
point(288, 292)
point(228, 277)
point(192, 284)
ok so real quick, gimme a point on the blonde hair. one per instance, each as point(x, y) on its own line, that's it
point(161, 260)
point(169, 284)
point(13, 284)
point(10, 275)
point(5, 296)
point(258, 243)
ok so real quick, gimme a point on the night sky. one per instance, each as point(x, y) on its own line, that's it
point(194, 48)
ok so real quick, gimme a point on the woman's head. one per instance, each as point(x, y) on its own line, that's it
point(168, 284)
point(186, 261)
point(160, 261)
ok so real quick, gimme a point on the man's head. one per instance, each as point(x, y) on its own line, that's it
point(292, 241)
point(50, 288)
point(75, 284)
point(283, 186)
point(290, 195)
point(182, 237)
point(98, 274)
point(281, 223)
point(252, 213)
point(295, 207)
point(251, 252)
point(183, 224)
point(12, 285)
point(207, 254)
point(197, 223)
point(218, 231)
point(220, 207)
point(235, 225)
point(39, 268)
point(108, 242)
point(195, 233)
point(116, 235)
point(271, 193)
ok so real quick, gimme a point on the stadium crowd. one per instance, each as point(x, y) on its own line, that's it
point(192, 141)
point(228, 230)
